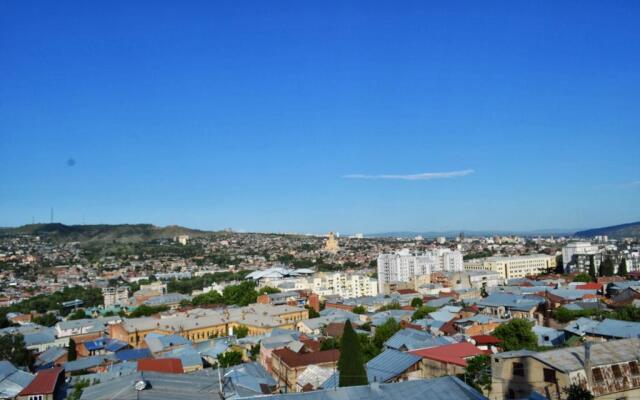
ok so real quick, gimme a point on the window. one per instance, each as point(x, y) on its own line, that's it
point(633, 366)
point(518, 369)
point(549, 375)
point(597, 375)
point(617, 372)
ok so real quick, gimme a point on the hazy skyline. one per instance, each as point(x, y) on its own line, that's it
point(299, 117)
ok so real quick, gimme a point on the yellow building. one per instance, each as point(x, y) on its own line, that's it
point(201, 324)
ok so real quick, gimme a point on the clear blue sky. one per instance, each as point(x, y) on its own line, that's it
point(309, 117)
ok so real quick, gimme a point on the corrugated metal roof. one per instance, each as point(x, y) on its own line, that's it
point(445, 388)
point(605, 353)
point(410, 339)
point(389, 364)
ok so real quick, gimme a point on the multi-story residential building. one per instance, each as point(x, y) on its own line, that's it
point(609, 370)
point(115, 296)
point(576, 252)
point(514, 267)
point(344, 285)
point(287, 365)
point(404, 266)
point(201, 324)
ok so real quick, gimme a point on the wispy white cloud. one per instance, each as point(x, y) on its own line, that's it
point(632, 184)
point(424, 176)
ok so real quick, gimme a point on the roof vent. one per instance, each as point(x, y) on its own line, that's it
point(141, 385)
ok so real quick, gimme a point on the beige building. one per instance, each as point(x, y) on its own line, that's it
point(344, 285)
point(115, 296)
point(609, 370)
point(331, 245)
point(513, 267)
point(201, 324)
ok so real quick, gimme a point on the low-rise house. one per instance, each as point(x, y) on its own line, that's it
point(450, 359)
point(48, 384)
point(53, 357)
point(90, 364)
point(412, 339)
point(445, 388)
point(286, 364)
point(158, 343)
point(487, 343)
point(479, 324)
point(505, 305)
point(608, 369)
point(393, 366)
point(240, 381)
point(82, 327)
point(548, 337)
point(162, 365)
point(12, 380)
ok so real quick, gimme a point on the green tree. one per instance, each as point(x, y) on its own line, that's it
point(241, 331)
point(592, 269)
point(559, 265)
point(208, 298)
point(80, 314)
point(394, 305)
point(622, 268)
point(312, 313)
point(582, 277)
point(330, 343)
point(422, 312)
point(268, 290)
point(578, 392)
point(607, 268)
point(385, 331)
point(47, 319)
point(78, 388)
point(359, 310)
point(351, 362)
point(254, 352)
point(478, 373)
point(14, 350)
point(72, 354)
point(144, 310)
point(369, 350)
point(517, 335)
point(229, 359)
point(416, 302)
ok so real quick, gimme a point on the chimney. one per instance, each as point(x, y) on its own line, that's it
point(587, 362)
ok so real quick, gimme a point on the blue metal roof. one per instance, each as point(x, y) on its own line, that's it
point(115, 345)
point(616, 329)
point(411, 339)
point(389, 364)
point(133, 354)
point(444, 388)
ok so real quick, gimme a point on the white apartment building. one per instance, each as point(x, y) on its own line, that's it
point(403, 266)
point(573, 249)
point(344, 285)
point(115, 296)
point(513, 267)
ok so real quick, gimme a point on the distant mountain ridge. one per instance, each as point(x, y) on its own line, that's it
point(451, 233)
point(616, 231)
point(104, 232)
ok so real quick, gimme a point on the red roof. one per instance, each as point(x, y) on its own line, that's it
point(590, 286)
point(486, 339)
point(45, 382)
point(293, 359)
point(406, 291)
point(450, 353)
point(166, 365)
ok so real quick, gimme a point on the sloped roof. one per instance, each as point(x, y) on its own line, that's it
point(452, 353)
point(164, 365)
point(444, 388)
point(293, 359)
point(12, 380)
point(44, 383)
point(411, 339)
point(389, 364)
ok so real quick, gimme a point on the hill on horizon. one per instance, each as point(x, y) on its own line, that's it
point(103, 232)
point(615, 231)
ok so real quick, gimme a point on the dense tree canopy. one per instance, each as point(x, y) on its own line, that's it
point(517, 335)
point(229, 359)
point(14, 350)
point(385, 331)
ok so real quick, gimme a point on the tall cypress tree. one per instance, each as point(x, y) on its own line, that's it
point(351, 362)
point(592, 268)
point(72, 354)
point(622, 268)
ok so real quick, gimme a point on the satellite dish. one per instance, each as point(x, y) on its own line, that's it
point(140, 385)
